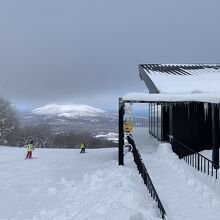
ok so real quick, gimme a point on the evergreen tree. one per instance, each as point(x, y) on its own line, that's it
point(9, 123)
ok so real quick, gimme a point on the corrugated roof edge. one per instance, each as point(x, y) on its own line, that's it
point(180, 69)
point(145, 70)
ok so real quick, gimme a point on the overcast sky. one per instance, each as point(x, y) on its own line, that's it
point(88, 51)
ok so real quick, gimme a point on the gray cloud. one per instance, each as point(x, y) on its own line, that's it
point(85, 51)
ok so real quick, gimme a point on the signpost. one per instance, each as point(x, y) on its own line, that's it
point(125, 126)
point(128, 126)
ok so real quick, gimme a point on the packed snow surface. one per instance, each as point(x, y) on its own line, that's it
point(185, 193)
point(61, 184)
point(70, 111)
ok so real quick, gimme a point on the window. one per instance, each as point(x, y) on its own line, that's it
point(155, 120)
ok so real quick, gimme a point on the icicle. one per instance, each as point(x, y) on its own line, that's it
point(185, 105)
point(188, 110)
point(196, 107)
point(166, 107)
point(206, 110)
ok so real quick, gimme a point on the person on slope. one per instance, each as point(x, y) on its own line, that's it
point(83, 147)
point(29, 149)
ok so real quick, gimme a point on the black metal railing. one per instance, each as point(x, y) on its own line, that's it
point(197, 160)
point(146, 177)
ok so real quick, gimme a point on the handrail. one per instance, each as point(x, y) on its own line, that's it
point(197, 160)
point(146, 177)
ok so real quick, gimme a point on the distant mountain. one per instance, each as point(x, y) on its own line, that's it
point(77, 118)
point(68, 111)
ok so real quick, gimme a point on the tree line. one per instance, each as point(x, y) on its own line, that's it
point(12, 134)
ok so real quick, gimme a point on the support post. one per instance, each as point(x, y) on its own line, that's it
point(121, 132)
point(151, 118)
point(157, 121)
point(171, 128)
point(154, 118)
point(161, 123)
point(215, 135)
point(149, 121)
point(170, 120)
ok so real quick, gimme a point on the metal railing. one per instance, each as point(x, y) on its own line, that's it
point(197, 160)
point(146, 177)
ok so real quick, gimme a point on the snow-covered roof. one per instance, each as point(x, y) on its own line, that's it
point(145, 97)
point(181, 78)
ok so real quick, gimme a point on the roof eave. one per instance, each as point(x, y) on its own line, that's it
point(149, 83)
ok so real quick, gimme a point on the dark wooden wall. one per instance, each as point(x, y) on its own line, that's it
point(190, 127)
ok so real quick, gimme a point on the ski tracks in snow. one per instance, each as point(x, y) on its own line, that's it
point(64, 184)
point(107, 194)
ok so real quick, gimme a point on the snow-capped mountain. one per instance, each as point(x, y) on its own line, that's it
point(75, 118)
point(68, 111)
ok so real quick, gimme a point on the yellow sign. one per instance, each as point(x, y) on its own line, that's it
point(128, 125)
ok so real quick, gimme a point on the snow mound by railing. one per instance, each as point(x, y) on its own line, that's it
point(184, 192)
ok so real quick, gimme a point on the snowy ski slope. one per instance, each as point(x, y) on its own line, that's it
point(62, 184)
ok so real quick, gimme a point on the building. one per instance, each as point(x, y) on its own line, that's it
point(184, 101)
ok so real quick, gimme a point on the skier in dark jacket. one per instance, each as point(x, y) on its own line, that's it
point(83, 147)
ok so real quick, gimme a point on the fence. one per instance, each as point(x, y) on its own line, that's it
point(198, 161)
point(146, 177)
